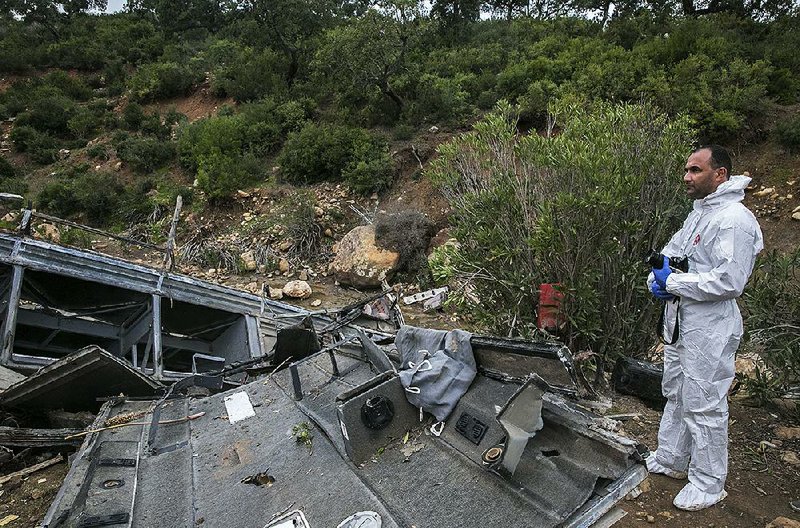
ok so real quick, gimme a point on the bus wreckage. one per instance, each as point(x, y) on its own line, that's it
point(241, 411)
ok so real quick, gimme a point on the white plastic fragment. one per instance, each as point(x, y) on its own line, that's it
point(239, 407)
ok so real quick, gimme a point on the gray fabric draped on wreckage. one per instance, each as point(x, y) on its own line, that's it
point(255, 413)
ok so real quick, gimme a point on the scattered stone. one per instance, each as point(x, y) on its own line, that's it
point(297, 289)
point(252, 287)
point(285, 245)
point(764, 192)
point(328, 232)
point(283, 265)
point(10, 217)
point(796, 216)
point(434, 129)
point(796, 209)
point(790, 457)
point(666, 515)
point(118, 167)
point(787, 433)
point(242, 194)
point(303, 276)
point(63, 154)
point(275, 293)
point(249, 260)
point(36, 494)
point(783, 522)
point(651, 519)
point(316, 302)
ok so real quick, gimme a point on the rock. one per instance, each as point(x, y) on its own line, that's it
point(248, 260)
point(318, 211)
point(651, 519)
point(764, 192)
point(666, 515)
point(790, 457)
point(787, 433)
point(275, 293)
point(316, 302)
point(242, 194)
point(328, 232)
point(118, 167)
point(303, 276)
point(796, 216)
point(783, 522)
point(285, 245)
point(434, 129)
point(359, 262)
point(63, 154)
point(283, 265)
point(10, 217)
point(796, 209)
point(252, 287)
point(50, 232)
point(297, 289)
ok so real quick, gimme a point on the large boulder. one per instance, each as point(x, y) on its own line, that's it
point(359, 262)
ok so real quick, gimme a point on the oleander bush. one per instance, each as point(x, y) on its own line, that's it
point(579, 208)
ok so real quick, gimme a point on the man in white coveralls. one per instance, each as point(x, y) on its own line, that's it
point(721, 239)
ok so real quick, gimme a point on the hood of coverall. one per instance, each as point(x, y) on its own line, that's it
point(728, 192)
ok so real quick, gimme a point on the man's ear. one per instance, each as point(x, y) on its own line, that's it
point(722, 174)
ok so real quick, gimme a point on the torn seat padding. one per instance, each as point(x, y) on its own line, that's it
point(447, 374)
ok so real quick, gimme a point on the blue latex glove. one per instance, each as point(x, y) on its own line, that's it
point(660, 293)
point(662, 274)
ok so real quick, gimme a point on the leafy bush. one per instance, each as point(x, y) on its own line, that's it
point(440, 99)
point(578, 209)
point(50, 114)
point(787, 132)
point(214, 136)
point(219, 176)
point(132, 116)
point(333, 152)
point(161, 80)
point(41, 147)
point(95, 195)
point(145, 154)
point(9, 181)
point(251, 76)
point(772, 303)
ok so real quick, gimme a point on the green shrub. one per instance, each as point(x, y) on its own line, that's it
point(440, 99)
point(332, 152)
point(161, 80)
point(223, 136)
point(95, 195)
point(132, 116)
point(772, 304)
point(371, 168)
point(41, 147)
point(145, 154)
point(98, 151)
point(251, 76)
point(787, 133)
point(50, 114)
point(578, 209)
point(219, 176)
point(9, 180)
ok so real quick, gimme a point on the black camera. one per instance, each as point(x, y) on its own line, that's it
point(656, 260)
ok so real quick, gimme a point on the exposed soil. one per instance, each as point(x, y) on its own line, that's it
point(28, 499)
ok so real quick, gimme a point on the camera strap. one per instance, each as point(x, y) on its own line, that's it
point(662, 321)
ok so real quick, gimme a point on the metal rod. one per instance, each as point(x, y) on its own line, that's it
point(334, 365)
point(56, 220)
point(169, 258)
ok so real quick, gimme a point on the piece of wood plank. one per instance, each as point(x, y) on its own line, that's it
point(32, 469)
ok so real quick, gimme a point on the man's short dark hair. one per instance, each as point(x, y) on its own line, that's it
point(719, 157)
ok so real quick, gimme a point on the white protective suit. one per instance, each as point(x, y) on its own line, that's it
point(721, 237)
